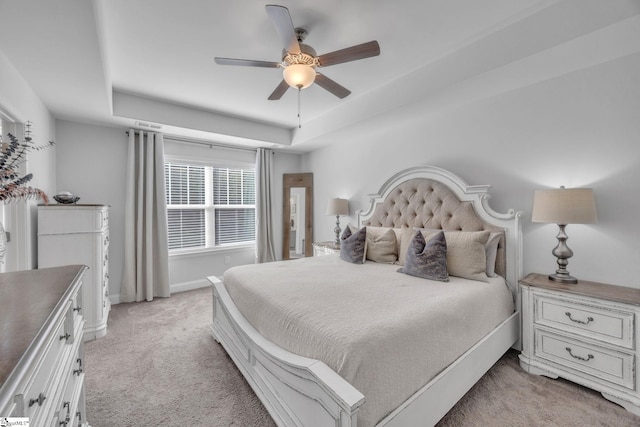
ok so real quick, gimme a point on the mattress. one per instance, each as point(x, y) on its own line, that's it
point(386, 333)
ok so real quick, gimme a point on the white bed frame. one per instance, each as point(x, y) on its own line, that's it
point(298, 391)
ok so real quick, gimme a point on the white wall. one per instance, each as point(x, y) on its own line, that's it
point(578, 130)
point(91, 164)
point(91, 161)
point(18, 99)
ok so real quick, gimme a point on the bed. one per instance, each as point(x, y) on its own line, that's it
point(322, 341)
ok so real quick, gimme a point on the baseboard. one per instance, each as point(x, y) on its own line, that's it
point(175, 288)
point(189, 286)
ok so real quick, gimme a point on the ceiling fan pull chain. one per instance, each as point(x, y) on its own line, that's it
point(299, 117)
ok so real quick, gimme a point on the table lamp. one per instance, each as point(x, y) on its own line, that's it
point(564, 206)
point(338, 207)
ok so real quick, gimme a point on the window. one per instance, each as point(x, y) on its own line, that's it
point(209, 206)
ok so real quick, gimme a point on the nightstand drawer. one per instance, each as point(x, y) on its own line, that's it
point(609, 365)
point(599, 323)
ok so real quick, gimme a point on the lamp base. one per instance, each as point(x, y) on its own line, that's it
point(563, 253)
point(563, 278)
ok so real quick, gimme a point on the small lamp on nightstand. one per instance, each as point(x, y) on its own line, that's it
point(564, 206)
point(338, 207)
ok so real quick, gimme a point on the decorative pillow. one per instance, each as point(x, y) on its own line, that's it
point(352, 245)
point(427, 260)
point(466, 253)
point(381, 245)
point(406, 236)
point(491, 249)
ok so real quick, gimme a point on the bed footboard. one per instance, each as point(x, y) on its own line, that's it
point(429, 404)
point(297, 391)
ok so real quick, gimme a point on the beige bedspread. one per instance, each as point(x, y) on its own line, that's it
point(386, 333)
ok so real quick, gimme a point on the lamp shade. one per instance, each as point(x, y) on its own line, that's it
point(300, 76)
point(338, 207)
point(564, 206)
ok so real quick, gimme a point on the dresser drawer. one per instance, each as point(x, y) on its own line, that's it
point(57, 219)
point(605, 364)
point(41, 389)
point(599, 323)
point(68, 406)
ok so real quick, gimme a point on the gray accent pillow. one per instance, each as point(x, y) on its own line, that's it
point(427, 260)
point(352, 245)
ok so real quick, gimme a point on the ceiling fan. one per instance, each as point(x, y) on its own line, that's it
point(299, 61)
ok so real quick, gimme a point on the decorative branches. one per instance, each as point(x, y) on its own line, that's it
point(12, 155)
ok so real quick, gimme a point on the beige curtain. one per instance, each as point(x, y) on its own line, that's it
point(146, 263)
point(265, 250)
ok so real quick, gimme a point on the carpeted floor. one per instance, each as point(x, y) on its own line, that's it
point(159, 366)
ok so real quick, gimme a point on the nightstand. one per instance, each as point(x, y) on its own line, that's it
point(587, 333)
point(325, 248)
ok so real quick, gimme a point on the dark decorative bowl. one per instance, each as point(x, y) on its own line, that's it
point(66, 199)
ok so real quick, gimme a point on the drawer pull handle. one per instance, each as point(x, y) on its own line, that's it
point(78, 309)
point(68, 417)
point(39, 400)
point(65, 336)
point(589, 319)
point(589, 356)
point(79, 370)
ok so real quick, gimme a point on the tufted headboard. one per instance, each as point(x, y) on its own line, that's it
point(430, 197)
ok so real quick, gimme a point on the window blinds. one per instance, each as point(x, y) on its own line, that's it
point(209, 206)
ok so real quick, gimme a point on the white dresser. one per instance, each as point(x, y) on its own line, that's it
point(79, 234)
point(586, 332)
point(41, 357)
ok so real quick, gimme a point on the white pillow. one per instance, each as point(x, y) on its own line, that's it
point(381, 245)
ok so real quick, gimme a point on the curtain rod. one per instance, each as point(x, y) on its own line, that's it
point(209, 144)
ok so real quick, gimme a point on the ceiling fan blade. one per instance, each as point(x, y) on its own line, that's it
point(246, 62)
point(361, 51)
point(333, 87)
point(280, 90)
point(284, 27)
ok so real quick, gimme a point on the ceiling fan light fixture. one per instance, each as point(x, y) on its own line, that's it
point(299, 76)
point(300, 60)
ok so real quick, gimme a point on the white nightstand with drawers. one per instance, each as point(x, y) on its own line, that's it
point(587, 333)
point(325, 248)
